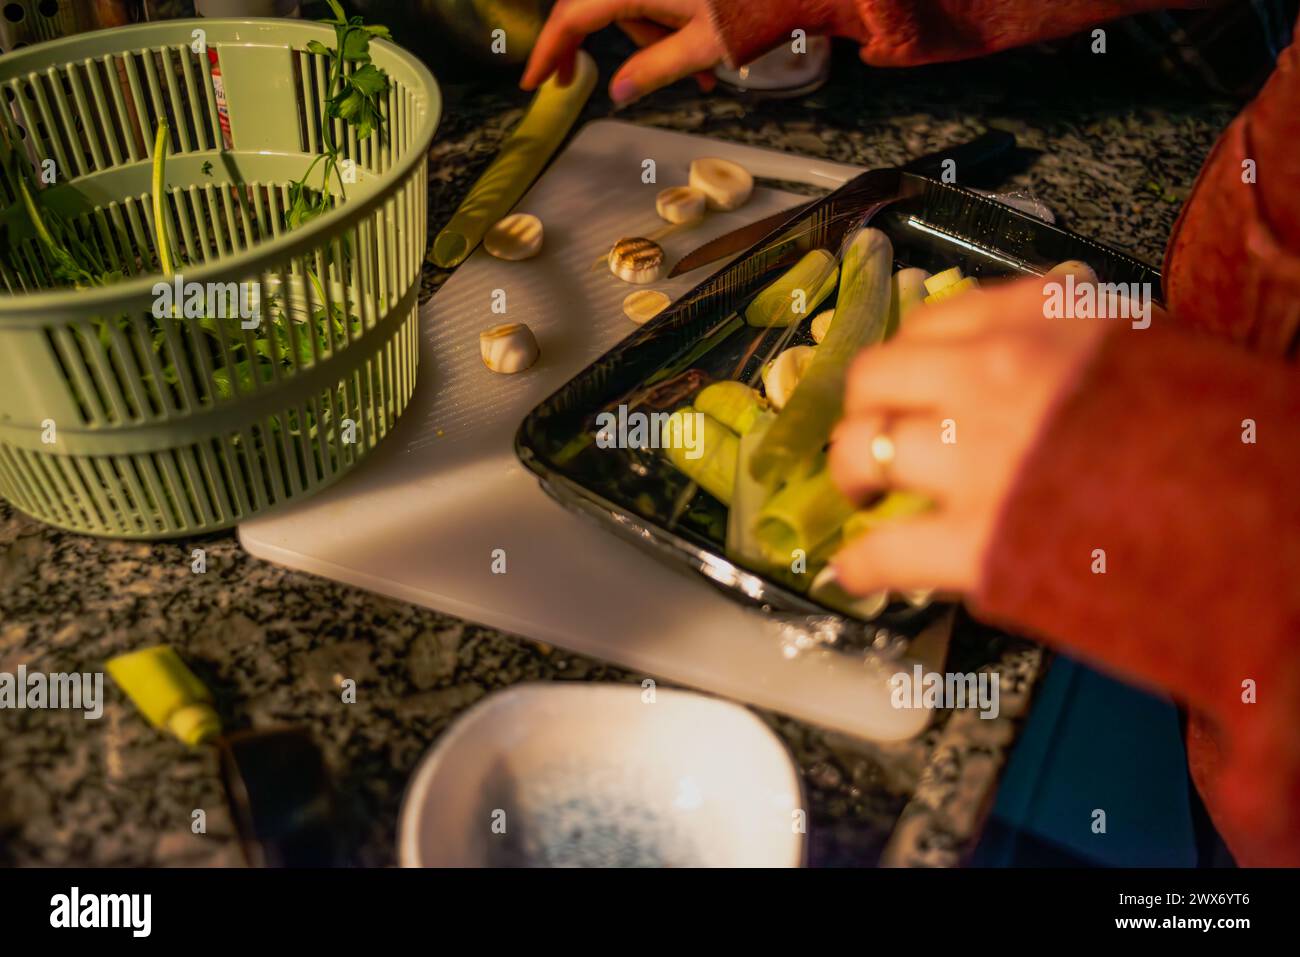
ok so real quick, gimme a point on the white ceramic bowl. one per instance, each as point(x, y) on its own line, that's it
point(604, 775)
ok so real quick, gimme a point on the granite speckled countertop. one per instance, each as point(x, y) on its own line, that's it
point(1117, 158)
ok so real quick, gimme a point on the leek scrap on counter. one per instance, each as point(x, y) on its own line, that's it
point(705, 451)
point(796, 292)
point(803, 426)
point(548, 120)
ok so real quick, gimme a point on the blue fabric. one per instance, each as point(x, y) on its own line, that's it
point(1092, 742)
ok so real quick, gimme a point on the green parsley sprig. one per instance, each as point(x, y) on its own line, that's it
point(352, 97)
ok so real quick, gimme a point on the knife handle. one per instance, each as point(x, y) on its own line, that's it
point(975, 159)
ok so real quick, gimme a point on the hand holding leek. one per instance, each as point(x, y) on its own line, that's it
point(764, 456)
point(963, 437)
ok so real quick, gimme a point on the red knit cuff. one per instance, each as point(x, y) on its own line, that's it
point(750, 29)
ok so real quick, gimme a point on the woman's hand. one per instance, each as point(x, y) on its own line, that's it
point(676, 36)
point(963, 390)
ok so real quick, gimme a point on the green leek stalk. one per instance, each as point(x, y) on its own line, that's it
point(820, 556)
point(802, 516)
point(747, 500)
point(894, 506)
point(803, 426)
point(159, 191)
point(522, 157)
point(713, 466)
point(907, 292)
point(734, 404)
point(815, 275)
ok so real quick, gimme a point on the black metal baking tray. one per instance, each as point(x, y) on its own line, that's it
point(636, 493)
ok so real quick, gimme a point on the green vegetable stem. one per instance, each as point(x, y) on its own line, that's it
point(352, 96)
point(161, 237)
point(711, 462)
point(802, 516)
point(796, 293)
point(803, 426)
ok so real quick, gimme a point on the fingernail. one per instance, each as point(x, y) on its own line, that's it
point(623, 92)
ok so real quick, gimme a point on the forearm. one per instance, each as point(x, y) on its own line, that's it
point(912, 32)
point(1156, 525)
point(1155, 529)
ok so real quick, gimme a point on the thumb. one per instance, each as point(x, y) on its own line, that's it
point(689, 50)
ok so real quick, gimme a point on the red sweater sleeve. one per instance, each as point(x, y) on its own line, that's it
point(1201, 530)
point(912, 32)
point(1146, 459)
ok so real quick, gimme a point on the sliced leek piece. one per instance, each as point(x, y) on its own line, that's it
point(942, 280)
point(827, 590)
point(957, 288)
point(801, 516)
point(907, 292)
point(517, 236)
point(734, 404)
point(545, 125)
point(636, 260)
point(919, 597)
point(681, 204)
point(725, 185)
point(644, 304)
point(704, 450)
point(796, 293)
point(747, 500)
point(897, 504)
point(782, 375)
point(508, 348)
point(821, 324)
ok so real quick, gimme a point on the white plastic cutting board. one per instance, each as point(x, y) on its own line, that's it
point(421, 520)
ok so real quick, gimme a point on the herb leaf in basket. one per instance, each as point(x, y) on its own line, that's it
point(352, 98)
point(355, 96)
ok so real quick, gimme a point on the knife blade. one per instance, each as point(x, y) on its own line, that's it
point(968, 157)
point(734, 241)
